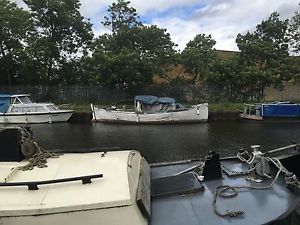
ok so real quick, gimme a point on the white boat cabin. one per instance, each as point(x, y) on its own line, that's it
point(22, 109)
point(24, 103)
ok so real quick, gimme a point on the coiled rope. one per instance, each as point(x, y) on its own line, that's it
point(37, 156)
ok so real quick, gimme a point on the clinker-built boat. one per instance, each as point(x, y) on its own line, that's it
point(21, 109)
point(120, 188)
point(153, 110)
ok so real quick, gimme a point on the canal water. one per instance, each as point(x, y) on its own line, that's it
point(160, 143)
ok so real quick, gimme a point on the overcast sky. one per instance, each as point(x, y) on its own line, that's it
point(184, 19)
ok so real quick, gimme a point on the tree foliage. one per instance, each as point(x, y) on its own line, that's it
point(52, 43)
point(132, 53)
point(294, 30)
point(264, 53)
point(14, 26)
point(60, 34)
point(121, 17)
point(198, 56)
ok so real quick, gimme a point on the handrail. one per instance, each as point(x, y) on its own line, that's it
point(33, 185)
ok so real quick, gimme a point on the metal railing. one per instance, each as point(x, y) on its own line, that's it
point(33, 185)
point(107, 95)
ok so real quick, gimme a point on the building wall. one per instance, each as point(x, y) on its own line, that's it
point(291, 92)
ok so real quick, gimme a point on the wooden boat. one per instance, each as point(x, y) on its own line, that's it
point(121, 188)
point(151, 109)
point(273, 110)
point(22, 109)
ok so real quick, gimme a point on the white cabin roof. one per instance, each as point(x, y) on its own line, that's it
point(110, 191)
point(20, 95)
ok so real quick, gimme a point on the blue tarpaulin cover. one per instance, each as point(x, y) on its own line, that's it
point(166, 100)
point(150, 99)
point(4, 102)
point(146, 99)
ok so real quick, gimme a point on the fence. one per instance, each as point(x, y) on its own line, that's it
point(106, 95)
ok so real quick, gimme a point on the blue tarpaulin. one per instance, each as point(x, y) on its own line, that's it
point(146, 99)
point(150, 99)
point(4, 103)
point(166, 100)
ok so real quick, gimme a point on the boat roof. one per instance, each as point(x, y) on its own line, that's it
point(21, 95)
point(260, 206)
point(150, 99)
point(11, 96)
point(110, 191)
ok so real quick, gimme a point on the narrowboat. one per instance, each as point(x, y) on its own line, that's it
point(273, 110)
point(101, 187)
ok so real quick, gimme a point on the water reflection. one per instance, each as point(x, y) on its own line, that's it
point(169, 142)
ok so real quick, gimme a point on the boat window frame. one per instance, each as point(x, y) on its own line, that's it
point(28, 99)
point(14, 109)
point(51, 106)
point(41, 107)
point(15, 100)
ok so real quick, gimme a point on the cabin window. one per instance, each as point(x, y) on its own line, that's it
point(51, 108)
point(25, 109)
point(30, 109)
point(15, 109)
point(40, 109)
point(25, 99)
point(15, 101)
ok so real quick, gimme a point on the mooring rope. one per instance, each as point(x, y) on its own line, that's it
point(39, 159)
point(37, 156)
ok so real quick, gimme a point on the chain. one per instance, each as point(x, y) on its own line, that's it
point(292, 182)
point(199, 168)
point(238, 172)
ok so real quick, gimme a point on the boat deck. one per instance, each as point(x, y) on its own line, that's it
point(260, 206)
point(111, 190)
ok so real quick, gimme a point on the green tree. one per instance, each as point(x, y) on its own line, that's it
point(61, 33)
point(225, 78)
point(121, 17)
point(294, 30)
point(132, 53)
point(15, 24)
point(265, 53)
point(198, 56)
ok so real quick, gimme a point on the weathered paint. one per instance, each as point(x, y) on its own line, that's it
point(197, 113)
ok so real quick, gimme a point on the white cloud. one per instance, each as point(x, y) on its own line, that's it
point(20, 3)
point(223, 19)
point(145, 6)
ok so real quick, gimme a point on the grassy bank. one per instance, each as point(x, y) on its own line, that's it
point(225, 107)
point(212, 107)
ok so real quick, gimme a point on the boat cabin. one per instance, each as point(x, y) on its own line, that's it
point(21, 99)
point(23, 103)
point(153, 104)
